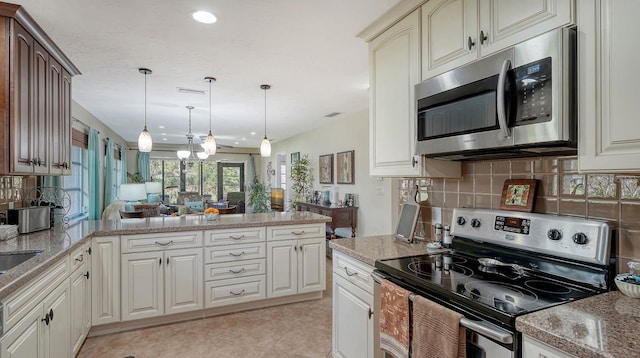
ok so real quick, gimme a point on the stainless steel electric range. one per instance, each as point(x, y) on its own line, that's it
point(504, 264)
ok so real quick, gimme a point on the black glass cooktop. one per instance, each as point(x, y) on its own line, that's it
point(502, 292)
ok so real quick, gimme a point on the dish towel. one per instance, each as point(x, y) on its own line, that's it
point(394, 320)
point(436, 331)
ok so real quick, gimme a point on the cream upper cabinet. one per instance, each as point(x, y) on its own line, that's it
point(456, 32)
point(394, 65)
point(449, 35)
point(609, 132)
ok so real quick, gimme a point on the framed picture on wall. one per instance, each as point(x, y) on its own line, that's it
point(325, 175)
point(345, 167)
point(294, 157)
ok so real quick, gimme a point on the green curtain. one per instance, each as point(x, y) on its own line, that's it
point(94, 176)
point(252, 167)
point(109, 174)
point(144, 167)
point(123, 164)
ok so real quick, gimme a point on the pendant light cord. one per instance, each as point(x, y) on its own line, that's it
point(265, 112)
point(210, 94)
point(145, 101)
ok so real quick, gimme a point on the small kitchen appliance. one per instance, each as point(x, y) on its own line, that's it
point(30, 219)
point(505, 264)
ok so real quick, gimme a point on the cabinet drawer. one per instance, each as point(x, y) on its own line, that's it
point(161, 241)
point(233, 291)
point(234, 236)
point(78, 257)
point(294, 232)
point(229, 253)
point(228, 270)
point(20, 303)
point(353, 270)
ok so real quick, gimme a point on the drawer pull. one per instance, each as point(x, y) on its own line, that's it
point(164, 243)
point(346, 269)
point(298, 233)
point(236, 255)
point(80, 258)
point(241, 270)
point(237, 294)
point(237, 237)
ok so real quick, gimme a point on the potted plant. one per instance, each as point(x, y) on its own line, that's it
point(259, 196)
point(301, 181)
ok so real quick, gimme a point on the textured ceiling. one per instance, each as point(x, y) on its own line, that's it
point(306, 50)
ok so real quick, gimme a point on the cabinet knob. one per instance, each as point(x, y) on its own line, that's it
point(51, 314)
point(470, 43)
point(483, 37)
point(370, 313)
point(86, 275)
point(46, 319)
point(414, 162)
point(89, 250)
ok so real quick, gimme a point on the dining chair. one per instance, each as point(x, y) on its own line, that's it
point(148, 210)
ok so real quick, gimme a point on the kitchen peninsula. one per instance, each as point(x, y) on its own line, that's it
point(123, 274)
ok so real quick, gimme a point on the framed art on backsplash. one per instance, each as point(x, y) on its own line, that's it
point(519, 195)
point(325, 175)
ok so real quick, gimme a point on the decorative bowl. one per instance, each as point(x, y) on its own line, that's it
point(631, 289)
point(211, 217)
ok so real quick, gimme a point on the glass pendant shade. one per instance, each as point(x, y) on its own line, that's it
point(145, 142)
point(202, 155)
point(184, 154)
point(210, 144)
point(265, 148)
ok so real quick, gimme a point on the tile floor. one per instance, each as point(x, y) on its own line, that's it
point(299, 330)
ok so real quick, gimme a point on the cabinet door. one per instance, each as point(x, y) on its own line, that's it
point(55, 84)
point(81, 307)
point(57, 336)
point(449, 35)
point(282, 268)
point(507, 22)
point(533, 348)
point(65, 120)
point(26, 338)
point(105, 283)
point(352, 320)
point(22, 109)
point(183, 280)
point(311, 265)
point(394, 65)
point(40, 120)
point(142, 285)
point(607, 101)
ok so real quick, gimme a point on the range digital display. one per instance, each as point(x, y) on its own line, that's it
point(513, 225)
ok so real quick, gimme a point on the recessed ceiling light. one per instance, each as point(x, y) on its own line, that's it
point(163, 133)
point(253, 133)
point(237, 143)
point(204, 17)
point(161, 127)
point(164, 138)
point(244, 138)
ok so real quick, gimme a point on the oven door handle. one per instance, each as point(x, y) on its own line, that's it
point(502, 112)
point(490, 332)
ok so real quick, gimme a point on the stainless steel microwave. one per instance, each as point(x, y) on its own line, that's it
point(518, 102)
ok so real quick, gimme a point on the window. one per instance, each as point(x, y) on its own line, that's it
point(76, 184)
point(202, 177)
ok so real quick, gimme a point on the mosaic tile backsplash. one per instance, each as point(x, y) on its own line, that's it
point(12, 188)
point(561, 190)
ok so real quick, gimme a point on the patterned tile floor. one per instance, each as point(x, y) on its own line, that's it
point(299, 330)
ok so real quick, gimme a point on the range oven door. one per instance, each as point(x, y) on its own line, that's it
point(484, 340)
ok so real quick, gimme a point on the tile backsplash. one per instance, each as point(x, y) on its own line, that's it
point(562, 189)
point(12, 188)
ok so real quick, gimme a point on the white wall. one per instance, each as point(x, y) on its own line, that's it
point(342, 133)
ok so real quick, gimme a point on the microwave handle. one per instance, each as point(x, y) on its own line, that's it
point(502, 112)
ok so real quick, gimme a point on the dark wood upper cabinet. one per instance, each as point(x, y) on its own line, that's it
point(35, 100)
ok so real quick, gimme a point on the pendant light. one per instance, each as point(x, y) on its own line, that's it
point(265, 146)
point(186, 154)
point(145, 142)
point(210, 144)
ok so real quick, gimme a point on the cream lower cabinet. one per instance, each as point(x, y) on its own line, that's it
point(235, 266)
point(295, 260)
point(532, 348)
point(161, 282)
point(609, 131)
point(353, 313)
point(43, 324)
point(105, 280)
point(80, 296)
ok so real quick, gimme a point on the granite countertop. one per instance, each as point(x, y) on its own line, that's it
point(606, 325)
point(60, 241)
point(371, 248)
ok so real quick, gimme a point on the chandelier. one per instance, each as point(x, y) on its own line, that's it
point(186, 154)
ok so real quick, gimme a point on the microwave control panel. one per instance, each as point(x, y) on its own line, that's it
point(533, 92)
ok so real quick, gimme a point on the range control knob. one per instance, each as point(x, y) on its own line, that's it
point(461, 220)
point(475, 223)
point(554, 234)
point(580, 238)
